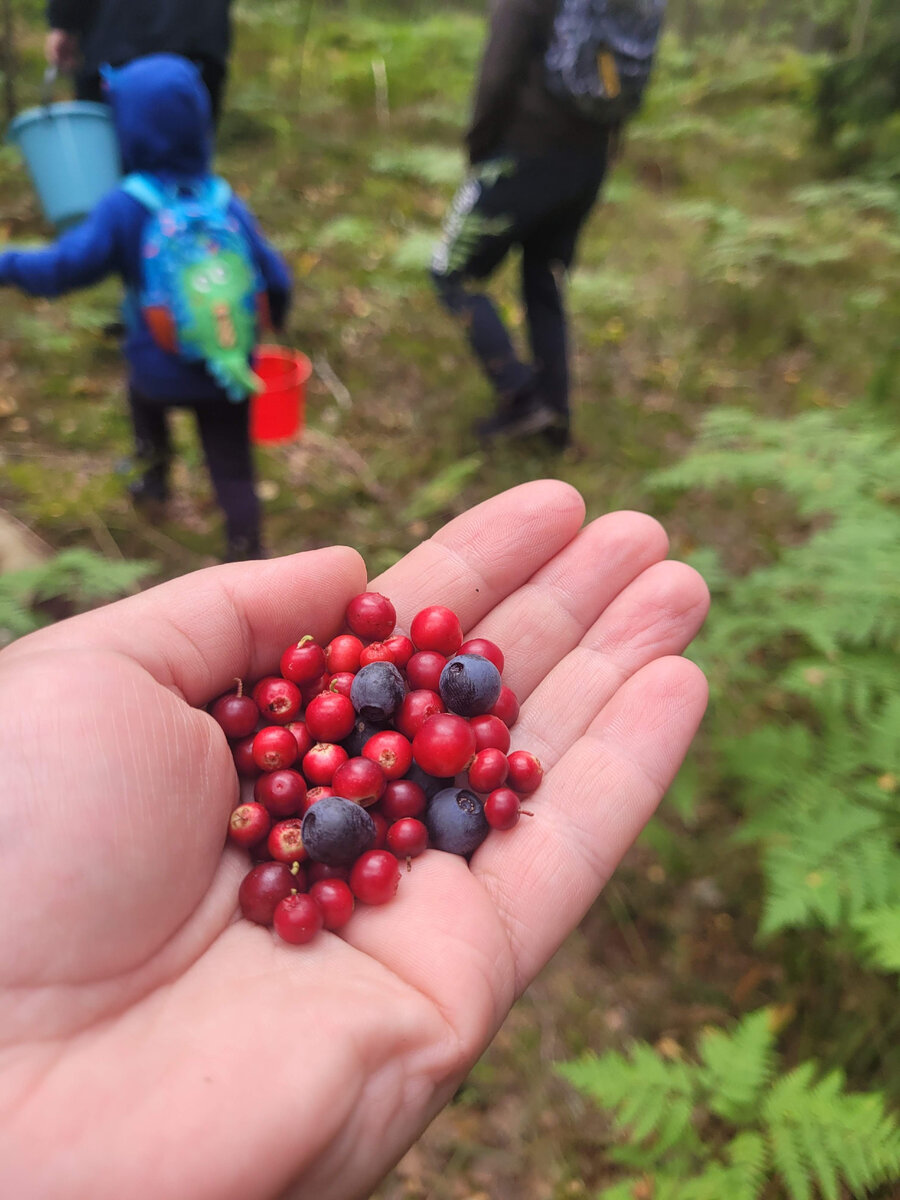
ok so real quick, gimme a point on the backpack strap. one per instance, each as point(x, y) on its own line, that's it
point(153, 195)
point(145, 189)
point(219, 192)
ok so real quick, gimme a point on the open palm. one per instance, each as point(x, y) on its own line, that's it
point(154, 1045)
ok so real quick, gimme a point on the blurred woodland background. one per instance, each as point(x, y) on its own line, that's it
point(725, 1023)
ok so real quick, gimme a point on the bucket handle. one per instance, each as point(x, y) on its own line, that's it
point(50, 77)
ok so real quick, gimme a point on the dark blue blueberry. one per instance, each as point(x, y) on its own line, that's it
point(377, 691)
point(455, 821)
point(358, 736)
point(469, 685)
point(430, 784)
point(337, 831)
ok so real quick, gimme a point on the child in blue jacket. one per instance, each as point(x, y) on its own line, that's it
point(162, 115)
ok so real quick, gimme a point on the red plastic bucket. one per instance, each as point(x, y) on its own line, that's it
point(277, 414)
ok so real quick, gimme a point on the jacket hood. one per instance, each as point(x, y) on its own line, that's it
point(162, 115)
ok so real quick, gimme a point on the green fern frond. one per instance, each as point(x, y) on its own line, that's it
point(436, 165)
point(79, 576)
point(86, 575)
point(815, 1139)
point(743, 1177)
point(737, 1066)
point(818, 1133)
point(880, 933)
point(749, 1153)
point(852, 680)
point(832, 861)
point(817, 458)
point(651, 1099)
point(882, 739)
point(717, 1182)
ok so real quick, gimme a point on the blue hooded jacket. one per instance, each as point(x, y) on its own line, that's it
point(162, 117)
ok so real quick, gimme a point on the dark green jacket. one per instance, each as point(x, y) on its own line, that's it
point(512, 108)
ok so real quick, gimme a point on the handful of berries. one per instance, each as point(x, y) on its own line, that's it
point(364, 753)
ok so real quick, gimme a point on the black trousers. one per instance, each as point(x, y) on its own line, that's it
point(538, 203)
point(224, 430)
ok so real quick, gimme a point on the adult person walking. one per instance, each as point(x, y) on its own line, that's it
point(86, 34)
point(538, 155)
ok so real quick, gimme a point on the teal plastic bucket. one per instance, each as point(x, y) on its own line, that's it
point(72, 156)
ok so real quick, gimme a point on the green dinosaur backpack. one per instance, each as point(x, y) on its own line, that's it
point(201, 293)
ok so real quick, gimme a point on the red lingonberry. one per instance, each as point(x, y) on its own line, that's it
point(423, 671)
point(401, 649)
point(297, 918)
point(313, 795)
point(282, 793)
point(321, 762)
point(279, 700)
point(317, 871)
point(381, 829)
point(285, 841)
point(507, 706)
point(274, 748)
point(374, 877)
point(335, 900)
point(371, 616)
point(341, 682)
point(444, 745)
point(310, 690)
point(360, 779)
point(501, 808)
point(244, 762)
point(375, 652)
point(330, 717)
point(436, 628)
point(490, 732)
point(261, 889)
point(407, 838)
point(237, 714)
point(402, 798)
point(260, 852)
point(397, 650)
point(305, 741)
point(342, 654)
point(486, 649)
point(488, 770)
point(391, 750)
point(525, 772)
point(415, 709)
point(304, 662)
point(248, 824)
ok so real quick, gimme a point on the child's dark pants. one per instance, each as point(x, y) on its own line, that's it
point(225, 436)
point(539, 203)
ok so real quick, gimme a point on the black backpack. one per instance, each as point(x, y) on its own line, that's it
point(601, 53)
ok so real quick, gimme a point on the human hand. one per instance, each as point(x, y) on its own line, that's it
point(154, 1045)
point(61, 49)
